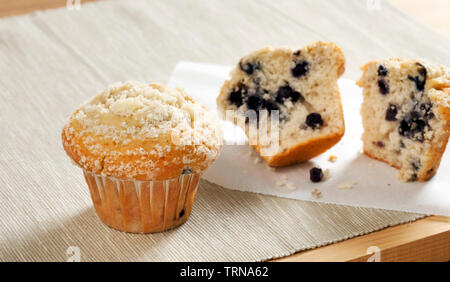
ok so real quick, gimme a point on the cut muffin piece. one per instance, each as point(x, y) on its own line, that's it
point(406, 115)
point(297, 86)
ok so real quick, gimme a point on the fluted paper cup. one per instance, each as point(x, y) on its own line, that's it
point(143, 206)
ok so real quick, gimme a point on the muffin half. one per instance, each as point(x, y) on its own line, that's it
point(296, 91)
point(406, 115)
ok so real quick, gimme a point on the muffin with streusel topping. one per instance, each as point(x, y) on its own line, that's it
point(142, 148)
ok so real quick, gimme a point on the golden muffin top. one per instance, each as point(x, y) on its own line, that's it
point(141, 131)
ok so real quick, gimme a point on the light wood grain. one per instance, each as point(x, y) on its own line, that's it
point(427, 239)
point(433, 13)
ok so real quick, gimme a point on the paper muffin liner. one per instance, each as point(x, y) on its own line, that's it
point(143, 206)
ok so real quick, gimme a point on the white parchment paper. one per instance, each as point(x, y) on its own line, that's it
point(375, 183)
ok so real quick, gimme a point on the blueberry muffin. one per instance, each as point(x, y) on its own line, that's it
point(143, 148)
point(406, 115)
point(296, 91)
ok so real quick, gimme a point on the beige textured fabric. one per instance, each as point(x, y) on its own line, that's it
point(51, 62)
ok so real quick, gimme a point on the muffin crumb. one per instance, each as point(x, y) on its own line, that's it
point(326, 174)
point(332, 159)
point(347, 186)
point(290, 186)
point(316, 193)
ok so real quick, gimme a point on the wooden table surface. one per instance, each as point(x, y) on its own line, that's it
point(426, 239)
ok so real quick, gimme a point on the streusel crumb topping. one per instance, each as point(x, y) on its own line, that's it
point(142, 131)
